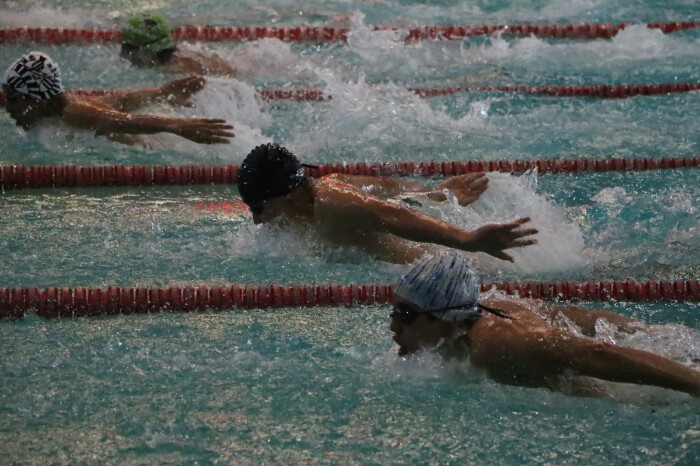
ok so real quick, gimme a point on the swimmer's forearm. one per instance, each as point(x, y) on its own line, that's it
point(416, 226)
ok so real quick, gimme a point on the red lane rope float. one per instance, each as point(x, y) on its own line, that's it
point(80, 301)
point(48, 176)
point(62, 35)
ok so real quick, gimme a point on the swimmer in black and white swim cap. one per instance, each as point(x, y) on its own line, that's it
point(34, 75)
point(33, 91)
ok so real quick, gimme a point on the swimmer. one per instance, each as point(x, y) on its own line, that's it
point(349, 210)
point(521, 341)
point(147, 40)
point(33, 92)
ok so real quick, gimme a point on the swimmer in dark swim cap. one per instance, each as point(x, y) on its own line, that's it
point(32, 91)
point(350, 210)
point(520, 341)
point(147, 40)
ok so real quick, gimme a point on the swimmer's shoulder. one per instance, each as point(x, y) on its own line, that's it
point(335, 181)
point(518, 308)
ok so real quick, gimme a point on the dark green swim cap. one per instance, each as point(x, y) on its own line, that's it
point(148, 31)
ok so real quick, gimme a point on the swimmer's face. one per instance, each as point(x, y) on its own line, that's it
point(139, 56)
point(419, 331)
point(272, 209)
point(23, 109)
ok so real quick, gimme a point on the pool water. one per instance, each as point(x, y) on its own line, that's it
point(324, 386)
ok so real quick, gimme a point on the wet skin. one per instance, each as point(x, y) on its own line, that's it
point(532, 350)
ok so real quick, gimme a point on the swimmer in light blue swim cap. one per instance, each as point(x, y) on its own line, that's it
point(517, 341)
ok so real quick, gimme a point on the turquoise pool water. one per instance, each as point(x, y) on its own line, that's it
point(324, 386)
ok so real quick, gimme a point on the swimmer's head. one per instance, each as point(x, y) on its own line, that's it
point(444, 285)
point(268, 172)
point(433, 300)
point(32, 88)
point(34, 75)
point(147, 39)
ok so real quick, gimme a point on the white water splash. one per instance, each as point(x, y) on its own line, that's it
point(560, 243)
point(12, 17)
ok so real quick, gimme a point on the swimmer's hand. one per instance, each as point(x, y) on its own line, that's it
point(495, 237)
point(466, 188)
point(179, 91)
point(204, 130)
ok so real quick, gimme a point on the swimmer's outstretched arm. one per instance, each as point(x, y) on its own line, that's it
point(467, 188)
point(510, 349)
point(337, 206)
point(619, 364)
point(177, 91)
point(85, 113)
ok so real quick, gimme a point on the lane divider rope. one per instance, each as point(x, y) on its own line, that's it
point(600, 91)
point(91, 301)
point(59, 176)
point(62, 35)
point(597, 91)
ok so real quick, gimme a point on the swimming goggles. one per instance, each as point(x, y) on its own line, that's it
point(406, 315)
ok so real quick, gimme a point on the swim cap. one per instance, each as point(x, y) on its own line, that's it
point(444, 285)
point(269, 171)
point(35, 75)
point(148, 31)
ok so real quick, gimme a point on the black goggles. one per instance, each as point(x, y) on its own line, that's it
point(406, 315)
point(12, 96)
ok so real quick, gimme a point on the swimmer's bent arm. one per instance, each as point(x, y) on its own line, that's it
point(586, 318)
point(467, 188)
point(378, 186)
point(178, 91)
point(105, 120)
point(342, 207)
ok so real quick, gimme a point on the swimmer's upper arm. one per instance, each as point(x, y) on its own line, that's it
point(335, 202)
point(89, 114)
point(92, 114)
point(360, 211)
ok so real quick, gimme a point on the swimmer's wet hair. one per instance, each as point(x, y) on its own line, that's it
point(269, 171)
